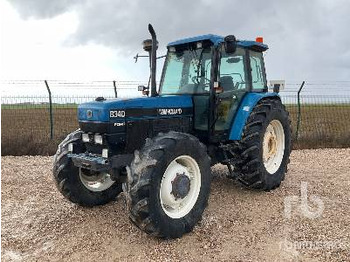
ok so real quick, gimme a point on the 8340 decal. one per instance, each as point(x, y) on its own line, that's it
point(117, 113)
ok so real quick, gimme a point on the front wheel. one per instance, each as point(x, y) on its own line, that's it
point(80, 186)
point(169, 184)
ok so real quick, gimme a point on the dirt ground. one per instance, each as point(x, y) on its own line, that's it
point(38, 224)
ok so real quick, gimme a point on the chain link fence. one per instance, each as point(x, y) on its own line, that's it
point(36, 116)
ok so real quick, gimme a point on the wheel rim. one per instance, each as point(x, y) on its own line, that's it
point(180, 186)
point(273, 146)
point(96, 183)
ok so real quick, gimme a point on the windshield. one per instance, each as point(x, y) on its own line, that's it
point(186, 72)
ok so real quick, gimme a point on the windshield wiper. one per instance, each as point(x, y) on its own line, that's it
point(200, 64)
point(197, 67)
point(194, 58)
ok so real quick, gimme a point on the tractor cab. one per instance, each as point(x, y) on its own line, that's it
point(217, 72)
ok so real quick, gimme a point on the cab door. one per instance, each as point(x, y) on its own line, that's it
point(233, 82)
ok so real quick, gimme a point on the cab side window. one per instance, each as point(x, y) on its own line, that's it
point(232, 73)
point(257, 66)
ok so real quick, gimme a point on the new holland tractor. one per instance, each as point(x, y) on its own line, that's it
point(212, 106)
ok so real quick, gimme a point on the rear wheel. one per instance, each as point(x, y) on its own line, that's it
point(81, 186)
point(265, 146)
point(273, 146)
point(169, 184)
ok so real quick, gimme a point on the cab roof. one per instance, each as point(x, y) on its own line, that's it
point(217, 39)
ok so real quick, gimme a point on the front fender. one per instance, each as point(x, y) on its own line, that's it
point(243, 112)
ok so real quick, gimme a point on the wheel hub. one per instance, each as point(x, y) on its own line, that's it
point(96, 182)
point(273, 146)
point(180, 186)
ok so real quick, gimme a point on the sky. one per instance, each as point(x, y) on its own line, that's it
point(97, 39)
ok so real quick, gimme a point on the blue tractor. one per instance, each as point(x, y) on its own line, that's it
point(212, 106)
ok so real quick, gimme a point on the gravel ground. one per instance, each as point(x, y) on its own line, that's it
point(38, 224)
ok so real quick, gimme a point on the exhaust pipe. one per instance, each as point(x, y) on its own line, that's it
point(153, 60)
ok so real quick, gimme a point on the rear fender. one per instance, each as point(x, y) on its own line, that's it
point(243, 112)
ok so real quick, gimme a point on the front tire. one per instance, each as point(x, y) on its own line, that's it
point(168, 185)
point(265, 146)
point(79, 186)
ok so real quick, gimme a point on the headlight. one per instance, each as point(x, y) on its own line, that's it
point(98, 139)
point(86, 138)
point(105, 153)
point(70, 147)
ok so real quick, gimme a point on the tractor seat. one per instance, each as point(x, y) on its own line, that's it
point(226, 83)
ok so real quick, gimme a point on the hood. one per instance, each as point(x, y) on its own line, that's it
point(118, 109)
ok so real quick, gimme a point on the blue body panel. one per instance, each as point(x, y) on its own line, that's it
point(101, 109)
point(216, 40)
point(248, 103)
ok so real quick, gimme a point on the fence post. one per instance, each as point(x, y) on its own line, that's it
point(299, 111)
point(115, 89)
point(50, 110)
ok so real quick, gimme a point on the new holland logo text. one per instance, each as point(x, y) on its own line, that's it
point(169, 111)
point(117, 113)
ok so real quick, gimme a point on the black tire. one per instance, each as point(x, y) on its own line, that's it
point(68, 181)
point(250, 168)
point(145, 176)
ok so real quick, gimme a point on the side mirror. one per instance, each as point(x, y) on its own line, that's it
point(230, 44)
point(276, 85)
point(143, 89)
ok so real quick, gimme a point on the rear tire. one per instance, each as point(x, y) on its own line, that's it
point(168, 185)
point(265, 146)
point(73, 184)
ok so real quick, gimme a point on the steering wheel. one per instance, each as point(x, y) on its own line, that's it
point(194, 79)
